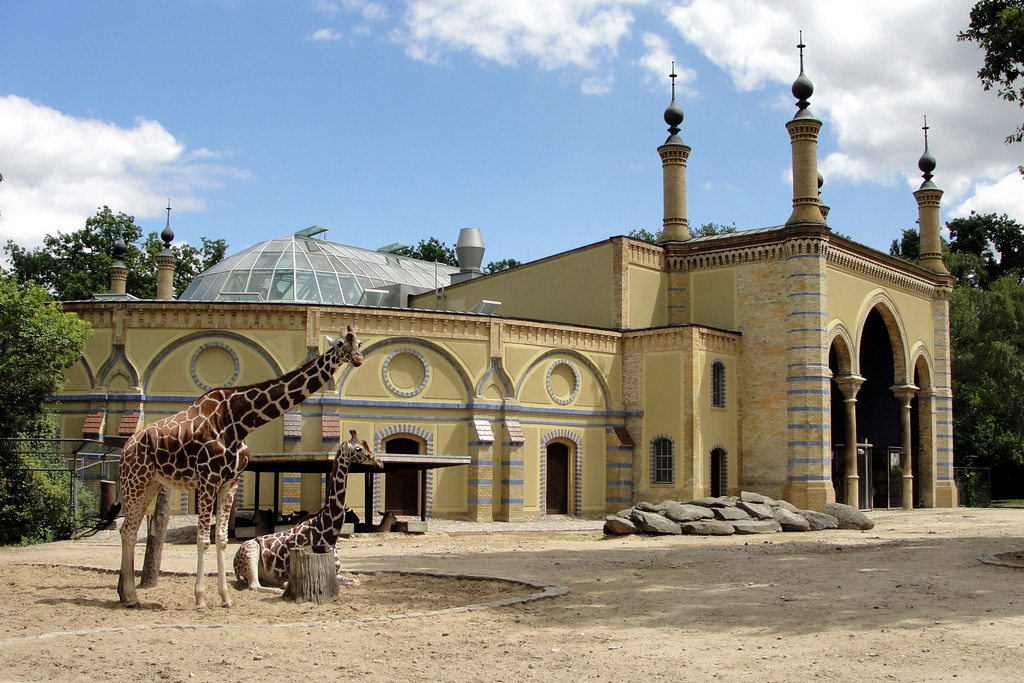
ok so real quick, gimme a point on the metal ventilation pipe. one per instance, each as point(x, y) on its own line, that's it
point(469, 249)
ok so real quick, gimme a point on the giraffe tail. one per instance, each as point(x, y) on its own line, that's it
point(104, 522)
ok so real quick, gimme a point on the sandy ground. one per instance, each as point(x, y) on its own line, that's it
point(906, 601)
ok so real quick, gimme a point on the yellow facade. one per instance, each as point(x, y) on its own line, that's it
point(789, 361)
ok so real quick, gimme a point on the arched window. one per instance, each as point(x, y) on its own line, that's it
point(664, 462)
point(718, 384)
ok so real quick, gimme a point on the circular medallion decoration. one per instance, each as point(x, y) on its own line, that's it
point(214, 365)
point(563, 382)
point(405, 372)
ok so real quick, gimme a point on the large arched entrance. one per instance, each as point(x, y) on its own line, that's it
point(402, 489)
point(879, 417)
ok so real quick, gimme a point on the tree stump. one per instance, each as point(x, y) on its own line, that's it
point(155, 536)
point(312, 576)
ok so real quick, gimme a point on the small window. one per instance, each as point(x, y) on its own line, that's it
point(718, 384)
point(664, 461)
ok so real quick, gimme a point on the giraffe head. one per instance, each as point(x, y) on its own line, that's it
point(348, 346)
point(355, 451)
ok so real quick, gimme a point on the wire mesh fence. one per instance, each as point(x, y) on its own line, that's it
point(75, 468)
point(973, 486)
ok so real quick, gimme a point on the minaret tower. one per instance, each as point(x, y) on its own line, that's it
point(118, 271)
point(674, 153)
point(165, 262)
point(804, 320)
point(928, 198)
point(803, 134)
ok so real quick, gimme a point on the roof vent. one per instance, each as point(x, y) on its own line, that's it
point(312, 231)
point(469, 249)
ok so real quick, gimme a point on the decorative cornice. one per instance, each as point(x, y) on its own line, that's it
point(645, 254)
point(681, 337)
point(872, 269)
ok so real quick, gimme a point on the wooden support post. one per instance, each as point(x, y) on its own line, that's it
point(156, 533)
point(108, 497)
point(312, 576)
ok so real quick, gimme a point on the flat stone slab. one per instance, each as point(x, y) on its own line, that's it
point(756, 510)
point(653, 523)
point(849, 517)
point(681, 512)
point(751, 497)
point(790, 521)
point(619, 526)
point(729, 514)
point(819, 521)
point(708, 527)
point(757, 526)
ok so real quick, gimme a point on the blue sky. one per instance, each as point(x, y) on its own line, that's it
point(536, 121)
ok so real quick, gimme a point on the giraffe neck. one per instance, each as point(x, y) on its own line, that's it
point(331, 516)
point(253, 406)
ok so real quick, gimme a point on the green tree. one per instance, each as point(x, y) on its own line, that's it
point(433, 250)
point(709, 229)
point(908, 246)
point(705, 230)
point(643, 235)
point(503, 264)
point(998, 28)
point(76, 265)
point(987, 344)
point(37, 342)
point(984, 247)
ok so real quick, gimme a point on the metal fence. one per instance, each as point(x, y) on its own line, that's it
point(973, 486)
point(79, 464)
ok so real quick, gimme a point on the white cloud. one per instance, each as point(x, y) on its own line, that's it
point(325, 34)
point(1005, 195)
point(369, 10)
point(597, 85)
point(878, 66)
point(58, 169)
point(658, 58)
point(580, 33)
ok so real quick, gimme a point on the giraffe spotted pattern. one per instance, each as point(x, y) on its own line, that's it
point(203, 448)
point(263, 561)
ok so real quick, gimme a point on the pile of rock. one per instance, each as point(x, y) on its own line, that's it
point(749, 513)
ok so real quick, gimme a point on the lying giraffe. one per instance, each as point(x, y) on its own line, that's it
point(265, 558)
point(202, 447)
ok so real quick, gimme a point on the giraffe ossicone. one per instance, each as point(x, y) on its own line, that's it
point(202, 447)
point(263, 561)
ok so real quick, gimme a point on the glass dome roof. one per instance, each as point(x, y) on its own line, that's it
point(299, 268)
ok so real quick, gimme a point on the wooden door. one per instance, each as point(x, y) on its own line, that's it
point(402, 489)
point(557, 479)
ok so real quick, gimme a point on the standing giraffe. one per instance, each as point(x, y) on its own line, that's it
point(202, 447)
point(266, 558)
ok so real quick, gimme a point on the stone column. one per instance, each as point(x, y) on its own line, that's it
point(165, 263)
point(905, 393)
point(928, 199)
point(118, 278)
point(481, 503)
point(850, 385)
point(675, 226)
point(803, 136)
point(512, 473)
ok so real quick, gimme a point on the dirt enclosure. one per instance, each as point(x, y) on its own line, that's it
point(908, 601)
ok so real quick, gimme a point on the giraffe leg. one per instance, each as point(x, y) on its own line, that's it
point(205, 503)
point(343, 580)
point(247, 565)
point(225, 498)
point(134, 507)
